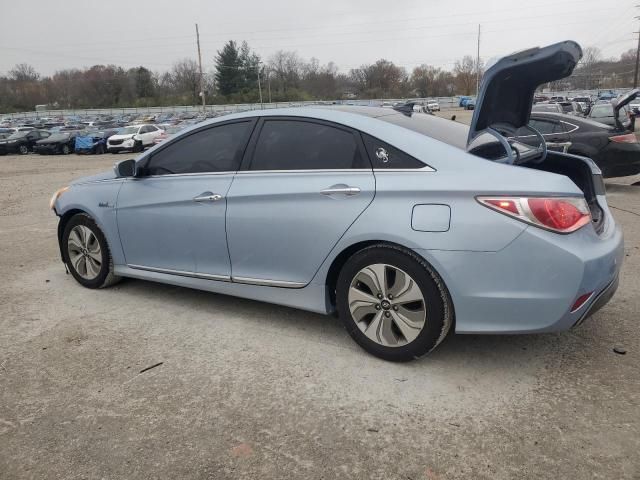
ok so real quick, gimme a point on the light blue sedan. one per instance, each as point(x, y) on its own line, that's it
point(407, 225)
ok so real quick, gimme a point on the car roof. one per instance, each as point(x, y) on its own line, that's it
point(356, 116)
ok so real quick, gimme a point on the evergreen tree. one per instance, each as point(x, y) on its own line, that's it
point(250, 62)
point(229, 71)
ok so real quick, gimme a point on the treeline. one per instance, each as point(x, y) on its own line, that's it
point(237, 74)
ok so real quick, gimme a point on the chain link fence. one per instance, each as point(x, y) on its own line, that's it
point(444, 102)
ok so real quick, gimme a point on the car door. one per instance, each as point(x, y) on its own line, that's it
point(150, 132)
point(145, 134)
point(302, 184)
point(171, 218)
point(33, 137)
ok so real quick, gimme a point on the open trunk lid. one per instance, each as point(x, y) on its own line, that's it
point(621, 101)
point(506, 93)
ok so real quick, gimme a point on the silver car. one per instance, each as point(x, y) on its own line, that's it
point(406, 225)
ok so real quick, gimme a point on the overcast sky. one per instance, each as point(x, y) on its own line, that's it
point(52, 35)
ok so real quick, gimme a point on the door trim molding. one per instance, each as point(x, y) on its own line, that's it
point(221, 278)
point(267, 283)
point(182, 273)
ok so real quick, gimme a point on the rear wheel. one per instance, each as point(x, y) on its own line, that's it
point(23, 149)
point(392, 303)
point(86, 253)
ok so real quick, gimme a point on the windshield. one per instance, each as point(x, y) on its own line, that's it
point(128, 131)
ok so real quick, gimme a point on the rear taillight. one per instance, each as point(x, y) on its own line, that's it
point(558, 214)
point(626, 138)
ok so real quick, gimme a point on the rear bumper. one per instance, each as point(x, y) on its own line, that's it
point(619, 159)
point(532, 284)
point(599, 301)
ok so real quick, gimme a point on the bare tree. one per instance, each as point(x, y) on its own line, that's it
point(466, 72)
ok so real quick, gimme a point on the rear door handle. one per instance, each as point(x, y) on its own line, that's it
point(341, 190)
point(207, 197)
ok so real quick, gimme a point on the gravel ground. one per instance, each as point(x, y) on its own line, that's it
point(250, 390)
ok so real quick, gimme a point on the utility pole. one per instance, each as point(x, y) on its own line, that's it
point(478, 65)
point(635, 75)
point(269, 83)
point(201, 76)
point(260, 89)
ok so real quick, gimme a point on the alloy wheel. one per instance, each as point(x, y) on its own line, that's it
point(387, 305)
point(84, 252)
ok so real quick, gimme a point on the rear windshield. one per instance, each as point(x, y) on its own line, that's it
point(549, 107)
point(446, 131)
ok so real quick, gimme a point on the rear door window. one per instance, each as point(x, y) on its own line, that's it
point(306, 145)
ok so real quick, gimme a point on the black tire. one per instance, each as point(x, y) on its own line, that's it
point(138, 146)
point(23, 149)
point(66, 150)
point(438, 302)
point(105, 277)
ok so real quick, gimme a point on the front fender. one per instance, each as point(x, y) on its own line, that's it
point(98, 200)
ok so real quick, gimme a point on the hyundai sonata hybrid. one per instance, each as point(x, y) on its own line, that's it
point(406, 225)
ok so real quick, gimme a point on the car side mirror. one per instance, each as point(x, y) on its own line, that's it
point(125, 168)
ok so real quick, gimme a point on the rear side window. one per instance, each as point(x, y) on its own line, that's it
point(546, 127)
point(383, 155)
point(215, 149)
point(302, 145)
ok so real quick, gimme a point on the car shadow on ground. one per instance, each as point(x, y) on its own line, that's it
point(468, 350)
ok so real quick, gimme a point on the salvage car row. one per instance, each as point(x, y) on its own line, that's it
point(134, 138)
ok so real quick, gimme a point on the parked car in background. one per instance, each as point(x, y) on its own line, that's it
point(63, 142)
point(292, 206)
point(21, 142)
point(433, 106)
point(462, 99)
point(616, 151)
point(571, 108)
point(133, 138)
point(540, 98)
point(93, 142)
point(558, 98)
point(167, 133)
point(585, 102)
point(606, 95)
point(615, 112)
point(469, 103)
point(547, 107)
point(5, 132)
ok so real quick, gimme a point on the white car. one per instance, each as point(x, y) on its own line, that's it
point(133, 138)
point(433, 106)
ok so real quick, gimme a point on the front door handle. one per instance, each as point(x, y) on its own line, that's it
point(341, 189)
point(207, 197)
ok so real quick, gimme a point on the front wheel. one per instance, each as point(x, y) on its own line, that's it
point(66, 150)
point(86, 253)
point(23, 149)
point(392, 303)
